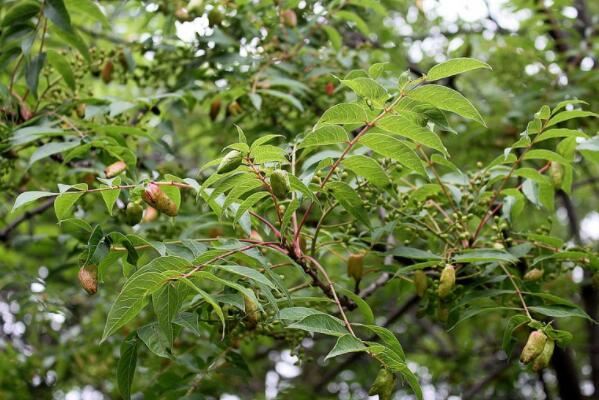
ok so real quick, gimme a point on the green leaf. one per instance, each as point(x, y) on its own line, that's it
point(567, 115)
point(388, 338)
point(297, 313)
point(56, 12)
point(241, 189)
point(62, 67)
point(542, 154)
point(154, 339)
point(132, 299)
point(352, 17)
point(33, 67)
point(51, 148)
point(248, 203)
point(558, 311)
point(247, 273)
point(328, 134)
point(334, 37)
point(284, 96)
point(347, 197)
point(167, 302)
point(73, 39)
point(414, 253)
point(368, 168)
point(63, 205)
point(367, 88)
point(28, 197)
point(321, 323)
point(388, 146)
point(342, 114)
point(126, 365)
point(88, 8)
point(20, 11)
point(402, 126)
point(110, 196)
point(447, 99)
point(346, 344)
point(454, 67)
point(484, 255)
point(210, 300)
point(363, 306)
point(376, 70)
point(267, 153)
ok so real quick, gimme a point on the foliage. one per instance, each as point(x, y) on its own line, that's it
point(302, 187)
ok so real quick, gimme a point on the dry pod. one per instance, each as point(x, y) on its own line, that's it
point(133, 213)
point(447, 281)
point(542, 360)
point(289, 18)
point(150, 214)
point(88, 278)
point(556, 171)
point(115, 168)
point(106, 73)
point(383, 385)
point(533, 275)
point(156, 198)
point(214, 109)
point(534, 346)
point(355, 266)
point(420, 282)
point(251, 312)
point(279, 181)
point(230, 161)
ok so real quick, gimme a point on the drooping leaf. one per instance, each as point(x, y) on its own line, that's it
point(454, 67)
point(127, 364)
point(391, 147)
point(346, 344)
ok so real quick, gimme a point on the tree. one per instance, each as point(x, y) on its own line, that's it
point(286, 199)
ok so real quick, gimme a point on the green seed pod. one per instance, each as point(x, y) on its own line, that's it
point(383, 385)
point(355, 266)
point(556, 171)
point(251, 312)
point(279, 181)
point(88, 278)
point(534, 346)
point(114, 169)
point(420, 282)
point(133, 213)
point(156, 198)
point(447, 281)
point(230, 161)
point(533, 275)
point(543, 359)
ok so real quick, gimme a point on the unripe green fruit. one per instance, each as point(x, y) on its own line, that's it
point(279, 181)
point(542, 360)
point(533, 275)
point(355, 266)
point(556, 171)
point(447, 281)
point(133, 213)
point(534, 346)
point(383, 385)
point(251, 312)
point(214, 17)
point(420, 282)
point(115, 168)
point(88, 278)
point(230, 161)
point(156, 198)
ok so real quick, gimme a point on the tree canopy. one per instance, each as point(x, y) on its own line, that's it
point(299, 199)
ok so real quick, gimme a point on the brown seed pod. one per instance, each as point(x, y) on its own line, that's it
point(115, 168)
point(279, 182)
point(383, 385)
point(251, 312)
point(88, 278)
point(106, 73)
point(150, 214)
point(534, 346)
point(355, 266)
point(542, 360)
point(289, 18)
point(420, 282)
point(533, 275)
point(215, 109)
point(156, 198)
point(447, 281)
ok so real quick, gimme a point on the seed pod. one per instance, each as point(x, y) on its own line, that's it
point(214, 17)
point(214, 109)
point(302, 243)
point(543, 359)
point(133, 213)
point(251, 312)
point(106, 73)
point(329, 88)
point(383, 385)
point(443, 313)
point(289, 18)
point(150, 214)
point(234, 108)
point(25, 111)
point(420, 282)
point(80, 110)
point(115, 168)
point(156, 198)
point(230, 161)
point(279, 181)
point(556, 171)
point(88, 278)
point(447, 281)
point(534, 346)
point(355, 266)
point(182, 14)
point(533, 275)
